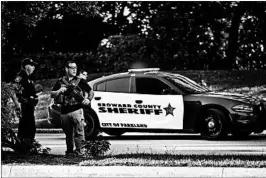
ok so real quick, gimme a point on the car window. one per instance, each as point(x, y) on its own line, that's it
point(100, 87)
point(120, 85)
point(151, 86)
point(185, 84)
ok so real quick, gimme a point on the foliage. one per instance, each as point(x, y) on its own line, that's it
point(96, 147)
point(8, 137)
point(35, 29)
point(121, 53)
point(30, 13)
point(173, 35)
point(37, 148)
point(7, 106)
point(204, 35)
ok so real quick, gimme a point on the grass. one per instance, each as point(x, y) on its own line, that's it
point(140, 159)
point(168, 160)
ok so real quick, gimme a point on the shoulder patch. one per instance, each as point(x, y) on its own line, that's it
point(18, 79)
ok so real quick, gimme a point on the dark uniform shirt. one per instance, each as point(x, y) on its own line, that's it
point(25, 89)
point(67, 100)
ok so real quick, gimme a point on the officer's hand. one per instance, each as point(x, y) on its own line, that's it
point(62, 89)
point(86, 102)
point(83, 123)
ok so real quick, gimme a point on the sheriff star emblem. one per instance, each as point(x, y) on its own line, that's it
point(169, 109)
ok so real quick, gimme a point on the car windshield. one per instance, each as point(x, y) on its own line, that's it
point(185, 84)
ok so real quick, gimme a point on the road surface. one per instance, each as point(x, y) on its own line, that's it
point(165, 143)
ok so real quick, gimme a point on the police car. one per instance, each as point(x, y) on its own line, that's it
point(150, 100)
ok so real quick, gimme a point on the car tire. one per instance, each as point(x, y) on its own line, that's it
point(213, 124)
point(116, 133)
point(91, 129)
point(240, 134)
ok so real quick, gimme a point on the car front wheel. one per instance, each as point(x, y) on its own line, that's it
point(213, 124)
point(91, 128)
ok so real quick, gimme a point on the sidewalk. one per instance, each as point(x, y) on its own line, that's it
point(128, 171)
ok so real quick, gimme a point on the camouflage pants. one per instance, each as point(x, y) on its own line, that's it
point(73, 128)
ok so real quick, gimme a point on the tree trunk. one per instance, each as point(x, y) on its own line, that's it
point(233, 37)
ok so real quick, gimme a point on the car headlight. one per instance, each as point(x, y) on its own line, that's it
point(242, 108)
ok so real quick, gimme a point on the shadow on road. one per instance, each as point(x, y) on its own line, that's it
point(154, 137)
point(179, 137)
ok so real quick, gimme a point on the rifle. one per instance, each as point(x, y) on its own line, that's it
point(74, 90)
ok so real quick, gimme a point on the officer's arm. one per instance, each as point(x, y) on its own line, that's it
point(86, 87)
point(91, 95)
point(56, 90)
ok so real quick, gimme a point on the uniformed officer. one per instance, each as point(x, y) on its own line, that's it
point(27, 99)
point(83, 74)
point(68, 92)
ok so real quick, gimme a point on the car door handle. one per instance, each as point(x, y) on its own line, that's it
point(97, 98)
point(138, 101)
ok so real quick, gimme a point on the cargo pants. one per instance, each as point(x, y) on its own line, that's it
point(73, 128)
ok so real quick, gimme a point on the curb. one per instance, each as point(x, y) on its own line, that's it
point(128, 171)
point(45, 130)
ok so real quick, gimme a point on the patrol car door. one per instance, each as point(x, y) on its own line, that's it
point(161, 107)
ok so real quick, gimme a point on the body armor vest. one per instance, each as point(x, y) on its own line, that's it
point(69, 97)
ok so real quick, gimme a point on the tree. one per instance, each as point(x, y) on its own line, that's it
point(175, 35)
point(25, 16)
point(35, 28)
point(238, 11)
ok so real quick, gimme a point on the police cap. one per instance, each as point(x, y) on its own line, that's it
point(28, 61)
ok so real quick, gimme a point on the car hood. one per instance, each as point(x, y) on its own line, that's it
point(232, 96)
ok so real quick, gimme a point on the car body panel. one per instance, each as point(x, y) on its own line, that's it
point(116, 110)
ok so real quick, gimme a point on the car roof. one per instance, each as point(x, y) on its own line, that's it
point(137, 72)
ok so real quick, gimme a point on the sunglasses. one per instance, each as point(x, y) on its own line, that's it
point(72, 67)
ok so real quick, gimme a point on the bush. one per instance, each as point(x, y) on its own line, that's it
point(8, 116)
point(96, 147)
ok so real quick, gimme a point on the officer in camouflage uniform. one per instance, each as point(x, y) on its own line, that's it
point(71, 102)
point(27, 100)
